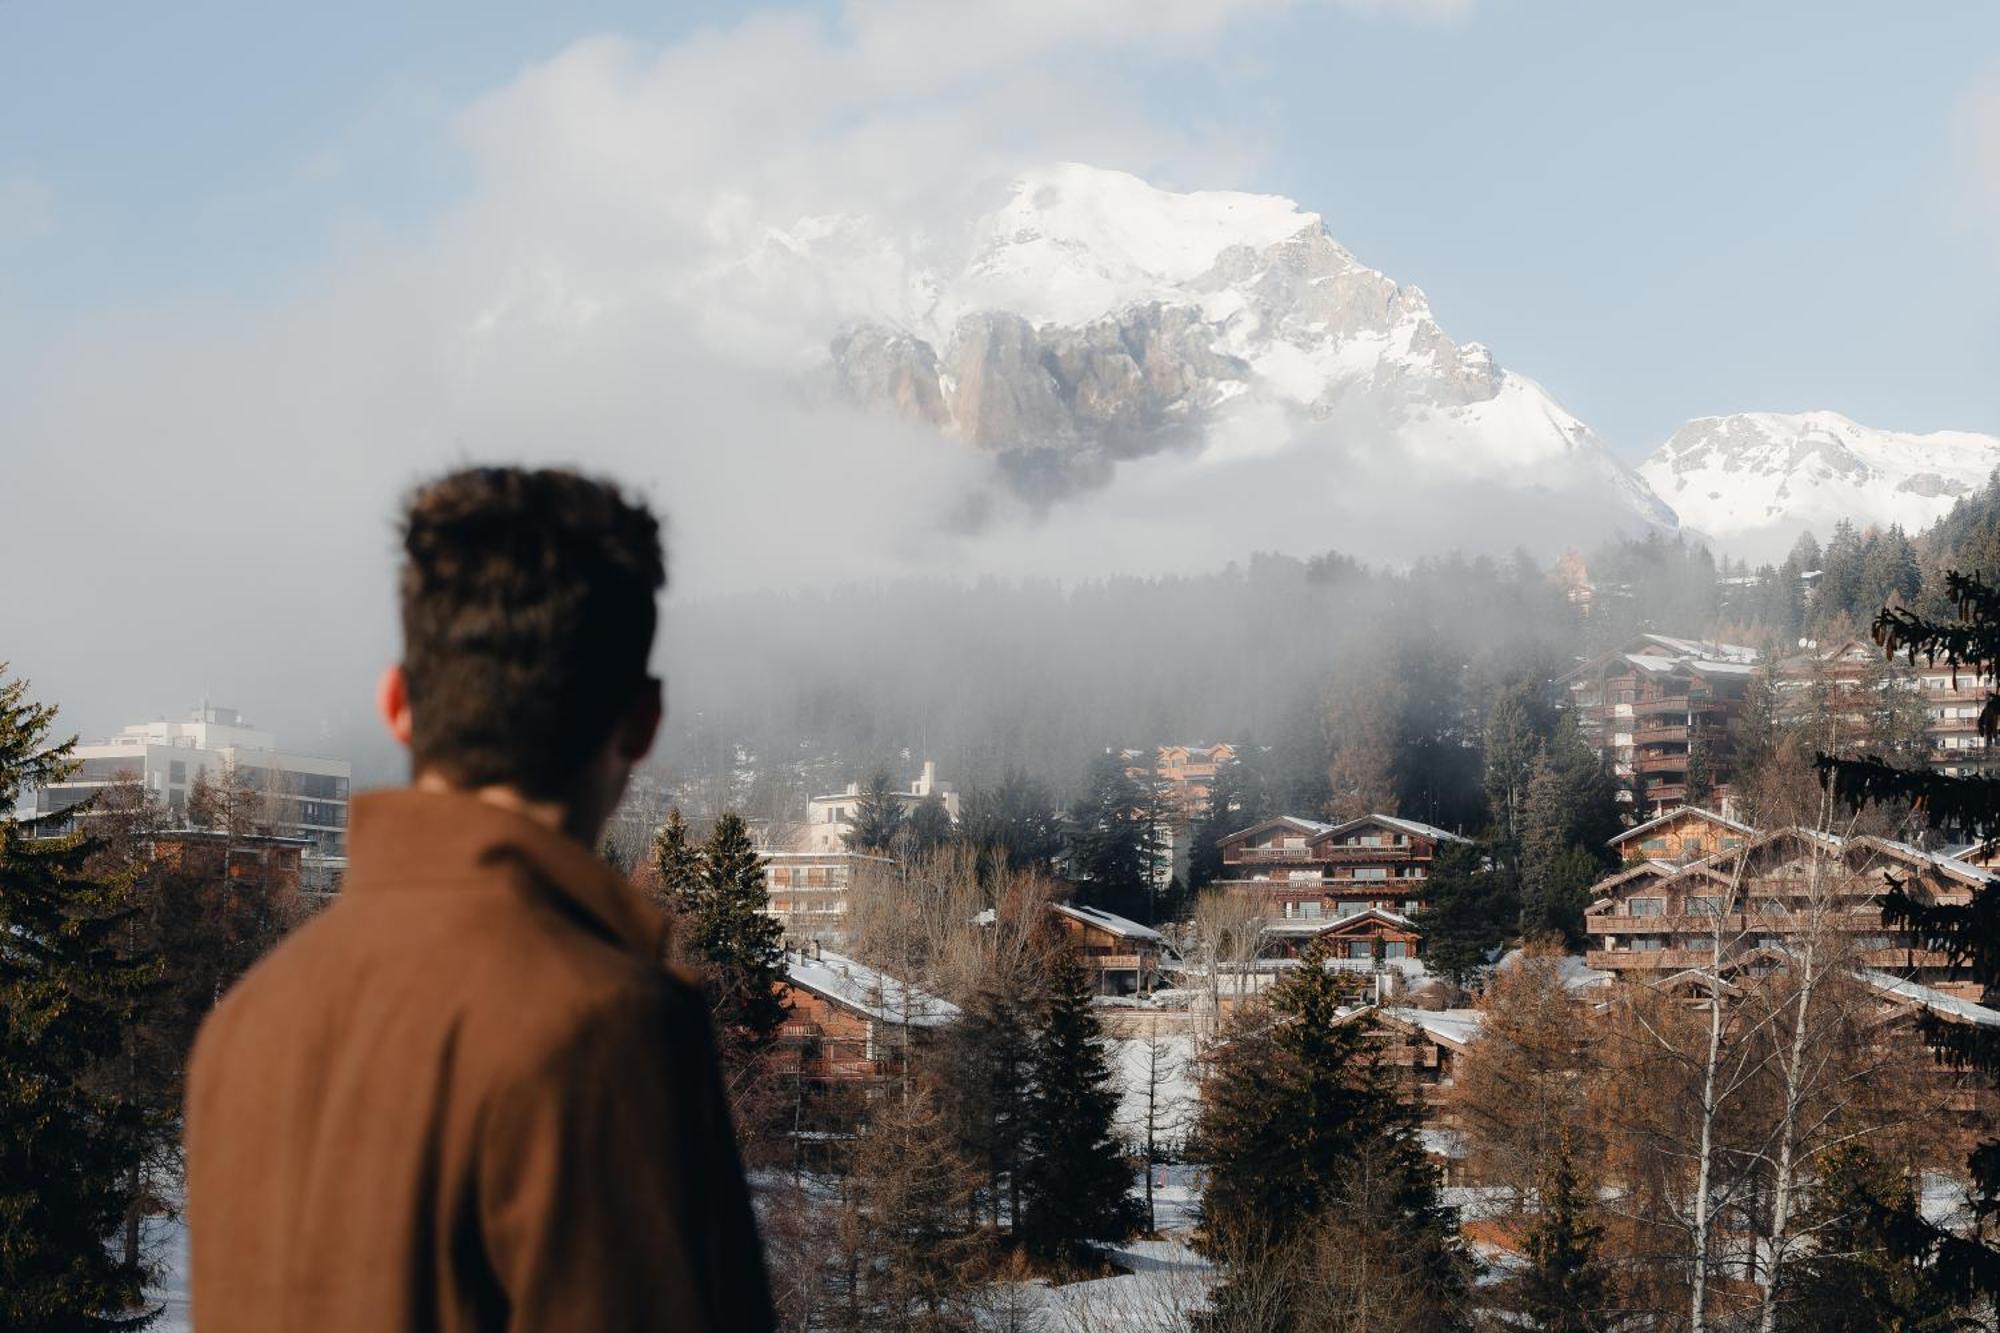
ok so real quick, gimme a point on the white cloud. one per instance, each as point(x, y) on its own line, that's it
point(221, 479)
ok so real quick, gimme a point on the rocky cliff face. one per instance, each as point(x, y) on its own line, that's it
point(1096, 319)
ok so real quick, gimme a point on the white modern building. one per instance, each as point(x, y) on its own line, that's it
point(829, 819)
point(304, 796)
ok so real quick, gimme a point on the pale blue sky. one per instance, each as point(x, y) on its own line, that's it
point(1659, 210)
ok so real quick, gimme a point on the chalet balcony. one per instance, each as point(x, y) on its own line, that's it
point(1675, 733)
point(1346, 855)
point(1647, 960)
point(1266, 855)
point(1117, 962)
point(1676, 706)
point(1660, 763)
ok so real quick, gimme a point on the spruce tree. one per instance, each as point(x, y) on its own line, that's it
point(1077, 1185)
point(1563, 1289)
point(1517, 725)
point(1016, 817)
point(1108, 839)
point(69, 991)
point(1966, 807)
point(738, 941)
point(928, 826)
point(676, 879)
point(1871, 1268)
point(878, 816)
point(1467, 908)
point(985, 1065)
point(1302, 1123)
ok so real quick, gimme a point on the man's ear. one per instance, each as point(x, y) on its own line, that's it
point(641, 725)
point(392, 701)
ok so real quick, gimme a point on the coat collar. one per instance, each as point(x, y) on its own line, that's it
point(408, 839)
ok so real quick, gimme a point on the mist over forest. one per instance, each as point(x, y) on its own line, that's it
point(774, 696)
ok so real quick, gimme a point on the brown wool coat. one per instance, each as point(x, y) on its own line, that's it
point(466, 1097)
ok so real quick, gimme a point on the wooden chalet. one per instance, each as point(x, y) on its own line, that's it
point(1302, 868)
point(851, 1025)
point(1121, 956)
point(1844, 679)
point(1655, 919)
point(1423, 1046)
point(1687, 833)
point(1650, 704)
point(1371, 937)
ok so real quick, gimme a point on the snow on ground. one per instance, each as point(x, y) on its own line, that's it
point(1175, 1106)
point(167, 1240)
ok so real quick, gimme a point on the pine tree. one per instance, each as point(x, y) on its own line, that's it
point(1700, 771)
point(907, 1259)
point(1239, 797)
point(69, 990)
point(1564, 1287)
point(1467, 908)
point(1870, 1269)
point(1108, 839)
point(878, 816)
point(1303, 1125)
point(677, 879)
point(739, 943)
point(1517, 725)
point(985, 1066)
point(1017, 817)
point(1077, 1186)
point(928, 826)
point(1965, 807)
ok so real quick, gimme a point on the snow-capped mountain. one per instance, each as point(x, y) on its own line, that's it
point(1091, 317)
point(1754, 480)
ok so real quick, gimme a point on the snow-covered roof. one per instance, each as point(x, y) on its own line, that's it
point(1422, 830)
point(865, 990)
point(1677, 812)
point(1935, 1001)
point(1725, 652)
point(1310, 827)
point(1575, 973)
point(1319, 925)
point(1460, 1027)
point(1123, 927)
point(1943, 860)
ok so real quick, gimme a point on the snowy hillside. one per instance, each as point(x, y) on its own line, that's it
point(1090, 317)
point(1753, 480)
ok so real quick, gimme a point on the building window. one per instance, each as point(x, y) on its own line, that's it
point(1309, 909)
point(1648, 906)
point(1395, 949)
point(1703, 904)
point(1371, 872)
point(1648, 943)
point(1360, 949)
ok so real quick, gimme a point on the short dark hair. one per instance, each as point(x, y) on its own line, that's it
point(528, 617)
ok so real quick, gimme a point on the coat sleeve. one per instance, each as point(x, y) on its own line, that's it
point(611, 1196)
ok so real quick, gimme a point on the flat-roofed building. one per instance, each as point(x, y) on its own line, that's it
point(809, 892)
point(830, 819)
point(299, 796)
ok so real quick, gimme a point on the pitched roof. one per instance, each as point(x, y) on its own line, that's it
point(1410, 826)
point(1321, 925)
point(1123, 927)
point(863, 989)
point(1935, 1001)
point(1310, 827)
point(1677, 812)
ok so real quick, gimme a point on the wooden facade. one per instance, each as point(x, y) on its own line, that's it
point(1649, 707)
point(851, 1029)
point(1303, 869)
point(1685, 834)
point(1371, 937)
point(1655, 919)
point(1121, 956)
